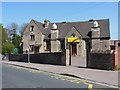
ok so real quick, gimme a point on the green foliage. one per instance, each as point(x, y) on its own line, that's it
point(16, 40)
point(12, 33)
point(9, 38)
point(3, 34)
point(5, 45)
point(0, 37)
point(7, 48)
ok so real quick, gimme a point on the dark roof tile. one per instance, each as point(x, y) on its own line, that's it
point(82, 27)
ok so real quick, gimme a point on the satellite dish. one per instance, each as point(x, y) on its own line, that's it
point(95, 24)
point(54, 26)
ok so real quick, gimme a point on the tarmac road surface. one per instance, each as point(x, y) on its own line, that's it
point(19, 77)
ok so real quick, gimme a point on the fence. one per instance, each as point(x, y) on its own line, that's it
point(57, 58)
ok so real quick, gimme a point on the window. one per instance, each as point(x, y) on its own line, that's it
point(32, 37)
point(62, 45)
point(31, 48)
point(31, 28)
point(118, 44)
point(48, 45)
point(73, 35)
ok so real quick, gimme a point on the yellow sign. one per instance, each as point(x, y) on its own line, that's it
point(73, 39)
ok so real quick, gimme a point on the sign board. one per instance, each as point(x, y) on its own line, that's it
point(73, 39)
point(15, 51)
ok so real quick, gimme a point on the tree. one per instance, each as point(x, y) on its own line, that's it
point(7, 48)
point(0, 37)
point(16, 41)
point(3, 36)
point(12, 31)
point(23, 26)
point(12, 39)
point(12, 28)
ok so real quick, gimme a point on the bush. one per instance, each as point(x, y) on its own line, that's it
point(7, 48)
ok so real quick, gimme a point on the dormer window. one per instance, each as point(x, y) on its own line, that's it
point(31, 28)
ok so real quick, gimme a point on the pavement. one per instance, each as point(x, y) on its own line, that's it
point(96, 76)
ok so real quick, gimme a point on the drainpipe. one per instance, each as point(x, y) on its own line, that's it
point(70, 46)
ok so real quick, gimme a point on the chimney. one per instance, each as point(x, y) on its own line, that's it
point(46, 23)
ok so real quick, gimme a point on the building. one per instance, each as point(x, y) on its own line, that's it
point(76, 38)
point(115, 47)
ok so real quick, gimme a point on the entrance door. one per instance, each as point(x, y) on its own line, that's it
point(37, 49)
point(75, 59)
point(74, 49)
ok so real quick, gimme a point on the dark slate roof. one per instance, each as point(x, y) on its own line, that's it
point(82, 27)
point(45, 31)
point(104, 26)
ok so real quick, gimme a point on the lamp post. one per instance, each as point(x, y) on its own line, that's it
point(70, 47)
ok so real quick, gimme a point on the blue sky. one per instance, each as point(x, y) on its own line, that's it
point(23, 12)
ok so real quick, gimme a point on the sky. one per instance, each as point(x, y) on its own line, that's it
point(23, 12)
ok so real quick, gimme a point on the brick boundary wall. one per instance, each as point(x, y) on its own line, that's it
point(117, 58)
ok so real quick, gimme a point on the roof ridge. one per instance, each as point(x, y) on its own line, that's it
point(36, 21)
point(70, 21)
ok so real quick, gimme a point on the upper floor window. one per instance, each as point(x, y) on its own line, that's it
point(32, 37)
point(31, 28)
point(118, 44)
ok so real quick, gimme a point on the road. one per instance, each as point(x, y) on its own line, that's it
point(18, 77)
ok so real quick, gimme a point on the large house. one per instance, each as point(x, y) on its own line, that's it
point(79, 37)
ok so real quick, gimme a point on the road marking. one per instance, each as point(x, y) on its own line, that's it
point(57, 78)
point(77, 82)
point(63, 79)
point(90, 86)
point(102, 84)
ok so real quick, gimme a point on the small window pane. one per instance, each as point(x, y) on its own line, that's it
point(31, 48)
point(32, 37)
point(118, 44)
